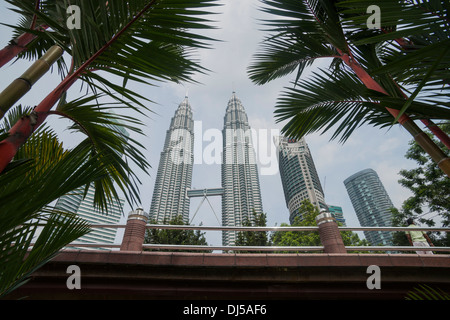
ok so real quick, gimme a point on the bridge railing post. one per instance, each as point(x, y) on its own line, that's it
point(329, 233)
point(134, 234)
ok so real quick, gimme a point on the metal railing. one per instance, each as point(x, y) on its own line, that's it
point(266, 248)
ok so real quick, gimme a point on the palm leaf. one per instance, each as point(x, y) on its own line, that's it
point(415, 39)
point(425, 292)
point(107, 131)
point(297, 40)
point(163, 24)
point(42, 172)
point(329, 100)
point(128, 35)
point(303, 31)
point(20, 258)
point(412, 20)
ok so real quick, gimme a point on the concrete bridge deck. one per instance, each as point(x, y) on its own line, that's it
point(176, 275)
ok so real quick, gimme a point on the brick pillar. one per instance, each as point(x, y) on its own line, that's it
point(134, 235)
point(329, 233)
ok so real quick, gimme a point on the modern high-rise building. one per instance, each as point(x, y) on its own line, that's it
point(240, 181)
point(174, 174)
point(298, 176)
point(337, 213)
point(371, 204)
point(83, 206)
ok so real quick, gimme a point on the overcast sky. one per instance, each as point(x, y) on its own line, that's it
point(382, 150)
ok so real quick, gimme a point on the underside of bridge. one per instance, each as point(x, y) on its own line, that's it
point(172, 275)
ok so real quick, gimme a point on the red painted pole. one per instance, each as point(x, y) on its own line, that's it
point(19, 44)
point(442, 160)
point(22, 130)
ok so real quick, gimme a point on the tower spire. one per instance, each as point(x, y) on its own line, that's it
point(174, 175)
point(240, 181)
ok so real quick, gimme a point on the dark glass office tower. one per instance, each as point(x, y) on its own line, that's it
point(371, 204)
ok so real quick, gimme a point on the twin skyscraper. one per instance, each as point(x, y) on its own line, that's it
point(240, 191)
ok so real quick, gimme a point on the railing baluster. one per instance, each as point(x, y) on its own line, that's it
point(330, 236)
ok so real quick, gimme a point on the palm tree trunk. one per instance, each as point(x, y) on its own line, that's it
point(22, 130)
point(441, 135)
point(20, 86)
point(420, 137)
point(17, 46)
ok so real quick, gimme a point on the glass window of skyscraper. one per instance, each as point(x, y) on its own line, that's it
point(371, 204)
point(298, 176)
point(174, 175)
point(240, 179)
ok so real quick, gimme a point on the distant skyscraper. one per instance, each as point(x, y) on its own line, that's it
point(84, 208)
point(174, 174)
point(337, 213)
point(298, 176)
point(240, 179)
point(371, 203)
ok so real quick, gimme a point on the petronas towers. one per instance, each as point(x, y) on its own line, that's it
point(174, 174)
point(241, 195)
point(240, 181)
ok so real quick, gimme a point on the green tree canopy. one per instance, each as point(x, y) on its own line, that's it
point(430, 189)
point(254, 238)
point(177, 237)
point(309, 213)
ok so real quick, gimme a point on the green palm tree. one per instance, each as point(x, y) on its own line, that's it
point(360, 86)
point(41, 172)
point(142, 41)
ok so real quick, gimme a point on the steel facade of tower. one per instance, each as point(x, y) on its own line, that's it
point(83, 206)
point(240, 180)
point(371, 203)
point(174, 176)
point(298, 176)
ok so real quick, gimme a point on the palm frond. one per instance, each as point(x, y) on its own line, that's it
point(411, 78)
point(328, 100)
point(410, 20)
point(108, 130)
point(426, 292)
point(41, 173)
point(20, 257)
point(414, 36)
point(303, 32)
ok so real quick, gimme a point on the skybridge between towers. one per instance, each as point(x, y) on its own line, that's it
point(205, 193)
point(193, 193)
